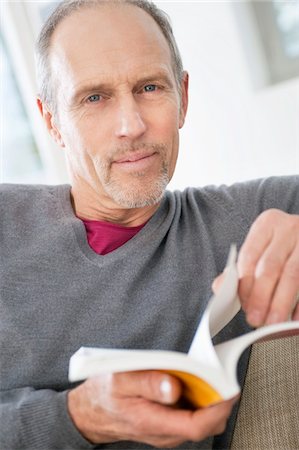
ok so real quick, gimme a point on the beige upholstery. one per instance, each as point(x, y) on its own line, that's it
point(268, 417)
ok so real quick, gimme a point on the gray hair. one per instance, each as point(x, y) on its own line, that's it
point(66, 8)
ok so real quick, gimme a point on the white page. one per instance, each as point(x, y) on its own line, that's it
point(229, 352)
point(222, 307)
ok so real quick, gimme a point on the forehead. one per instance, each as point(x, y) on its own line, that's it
point(108, 41)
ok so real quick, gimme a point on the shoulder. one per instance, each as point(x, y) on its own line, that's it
point(25, 197)
point(25, 190)
point(273, 192)
point(235, 207)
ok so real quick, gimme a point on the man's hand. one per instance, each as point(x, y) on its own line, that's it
point(141, 406)
point(268, 266)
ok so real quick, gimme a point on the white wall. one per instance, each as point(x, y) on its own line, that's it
point(233, 131)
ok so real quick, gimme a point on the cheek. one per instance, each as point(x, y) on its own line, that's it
point(168, 125)
point(166, 120)
point(77, 148)
point(78, 134)
point(93, 134)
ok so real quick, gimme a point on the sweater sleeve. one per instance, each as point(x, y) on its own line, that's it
point(37, 419)
point(245, 201)
point(253, 197)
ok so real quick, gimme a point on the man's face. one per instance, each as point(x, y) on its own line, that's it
point(118, 104)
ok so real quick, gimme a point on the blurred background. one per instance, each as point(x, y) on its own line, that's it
point(243, 121)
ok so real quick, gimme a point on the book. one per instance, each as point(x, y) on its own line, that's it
point(208, 372)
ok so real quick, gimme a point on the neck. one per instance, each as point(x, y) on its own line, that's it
point(92, 207)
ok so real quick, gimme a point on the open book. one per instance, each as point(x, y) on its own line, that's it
point(208, 372)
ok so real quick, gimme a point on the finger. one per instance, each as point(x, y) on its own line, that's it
point(206, 422)
point(221, 425)
point(275, 235)
point(282, 305)
point(258, 238)
point(152, 385)
point(245, 286)
point(159, 420)
point(268, 271)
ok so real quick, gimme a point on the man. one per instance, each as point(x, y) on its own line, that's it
point(115, 261)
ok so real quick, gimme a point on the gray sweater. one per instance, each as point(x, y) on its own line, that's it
point(57, 294)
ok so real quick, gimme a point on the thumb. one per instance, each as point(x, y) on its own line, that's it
point(150, 384)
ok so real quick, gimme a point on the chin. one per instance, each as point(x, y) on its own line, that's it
point(138, 196)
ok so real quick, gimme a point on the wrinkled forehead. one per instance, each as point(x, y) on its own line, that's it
point(107, 38)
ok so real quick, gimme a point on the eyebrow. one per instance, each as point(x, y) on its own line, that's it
point(107, 87)
point(89, 87)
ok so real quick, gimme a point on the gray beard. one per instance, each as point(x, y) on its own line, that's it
point(129, 196)
point(132, 198)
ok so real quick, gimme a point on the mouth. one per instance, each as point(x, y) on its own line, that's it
point(134, 157)
point(136, 160)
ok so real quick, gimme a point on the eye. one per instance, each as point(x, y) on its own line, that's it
point(150, 88)
point(94, 98)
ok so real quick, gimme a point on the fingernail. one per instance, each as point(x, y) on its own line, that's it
point(166, 390)
point(254, 318)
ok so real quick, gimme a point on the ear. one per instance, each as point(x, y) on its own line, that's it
point(49, 121)
point(184, 98)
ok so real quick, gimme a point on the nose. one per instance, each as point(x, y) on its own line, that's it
point(129, 122)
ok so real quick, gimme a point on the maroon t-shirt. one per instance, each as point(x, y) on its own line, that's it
point(104, 237)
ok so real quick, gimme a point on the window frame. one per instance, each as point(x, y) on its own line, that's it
point(281, 66)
